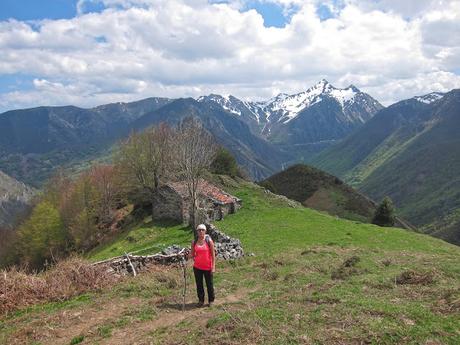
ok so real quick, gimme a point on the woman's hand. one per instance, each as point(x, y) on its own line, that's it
point(213, 269)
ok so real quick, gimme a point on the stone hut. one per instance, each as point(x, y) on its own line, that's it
point(173, 202)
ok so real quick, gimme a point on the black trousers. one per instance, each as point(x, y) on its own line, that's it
point(199, 284)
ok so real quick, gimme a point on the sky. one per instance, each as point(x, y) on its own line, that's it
point(92, 52)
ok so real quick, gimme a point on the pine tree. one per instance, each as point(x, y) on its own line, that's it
point(384, 215)
point(224, 163)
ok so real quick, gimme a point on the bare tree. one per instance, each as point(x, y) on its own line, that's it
point(145, 158)
point(194, 152)
point(103, 177)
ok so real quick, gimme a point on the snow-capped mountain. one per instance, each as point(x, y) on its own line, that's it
point(288, 107)
point(430, 98)
point(323, 113)
point(252, 113)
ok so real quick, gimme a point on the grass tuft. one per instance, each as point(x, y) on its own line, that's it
point(414, 277)
point(77, 340)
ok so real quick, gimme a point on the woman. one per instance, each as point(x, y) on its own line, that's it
point(204, 258)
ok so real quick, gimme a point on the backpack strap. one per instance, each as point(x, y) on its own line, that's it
point(207, 240)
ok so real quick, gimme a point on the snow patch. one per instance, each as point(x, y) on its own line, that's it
point(429, 98)
point(283, 107)
point(344, 96)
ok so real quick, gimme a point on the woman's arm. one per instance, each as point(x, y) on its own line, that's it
point(213, 253)
point(191, 254)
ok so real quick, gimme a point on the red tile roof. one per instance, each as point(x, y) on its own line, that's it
point(204, 188)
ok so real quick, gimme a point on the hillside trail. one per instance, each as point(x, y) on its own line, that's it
point(172, 314)
point(61, 327)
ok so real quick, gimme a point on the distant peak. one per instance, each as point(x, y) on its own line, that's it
point(214, 95)
point(353, 88)
point(322, 85)
point(233, 98)
point(430, 98)
point(281, 95)
point(211, 96)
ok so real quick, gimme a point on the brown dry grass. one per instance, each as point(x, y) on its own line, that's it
point(414, 277)
point(68, 278)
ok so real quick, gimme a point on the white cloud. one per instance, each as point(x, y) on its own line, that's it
point(179, 48)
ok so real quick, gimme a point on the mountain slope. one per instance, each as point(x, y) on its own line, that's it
point(411, 152)
point(313, 279)
point(256, 154)
point(321, 113)
point(33, 142)
point(321, 191)
point(307, 122)
point(15, 200)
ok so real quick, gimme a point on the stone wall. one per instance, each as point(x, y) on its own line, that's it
point(172, 202)
point(227, 248)
point(168, 204)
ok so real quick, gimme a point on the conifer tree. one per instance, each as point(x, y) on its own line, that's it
point(224, 163)
point(384, 215)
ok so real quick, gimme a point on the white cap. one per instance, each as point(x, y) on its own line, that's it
point(201, 227)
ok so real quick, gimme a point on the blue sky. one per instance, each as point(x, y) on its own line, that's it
point(64, 9)
point(59, 52)
point(271, 12)
point(37, 9)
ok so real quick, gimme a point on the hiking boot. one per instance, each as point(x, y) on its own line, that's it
point(200, 304)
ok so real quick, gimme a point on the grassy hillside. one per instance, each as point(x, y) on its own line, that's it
point(386, 131)
point(319, 190)
point(411, 152)
point(314, 279)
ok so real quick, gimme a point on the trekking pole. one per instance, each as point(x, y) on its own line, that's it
point(183, 264)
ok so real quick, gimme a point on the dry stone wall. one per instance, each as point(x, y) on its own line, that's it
point(226, 247)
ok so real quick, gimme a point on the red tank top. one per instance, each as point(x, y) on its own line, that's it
point(203, 257)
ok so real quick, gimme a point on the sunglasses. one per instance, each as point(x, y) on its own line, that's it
point(201, 229)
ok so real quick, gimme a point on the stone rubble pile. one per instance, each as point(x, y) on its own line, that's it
point(227, 248)
point(172, 250)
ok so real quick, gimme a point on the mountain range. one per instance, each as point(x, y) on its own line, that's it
point(34, 142)
point(263, 136)
point(305, 123)
point(409, 151)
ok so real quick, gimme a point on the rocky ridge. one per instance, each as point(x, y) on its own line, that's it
point(265, 116)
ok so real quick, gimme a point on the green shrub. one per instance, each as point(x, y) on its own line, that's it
point(385, 213)
point(224, 163)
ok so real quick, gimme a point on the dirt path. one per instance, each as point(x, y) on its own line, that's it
point(171, 315)
point(61, 327)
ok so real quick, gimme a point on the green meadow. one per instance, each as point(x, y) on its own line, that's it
point(307, 278)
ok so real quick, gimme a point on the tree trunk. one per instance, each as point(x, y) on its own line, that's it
point(193, 221)
point(152, 200)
